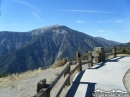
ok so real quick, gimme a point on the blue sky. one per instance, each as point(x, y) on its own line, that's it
point(109, 19)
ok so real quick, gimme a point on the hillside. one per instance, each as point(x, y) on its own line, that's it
point(105, 42)
point(10, 41)
point(124, 45)
point(46, 45)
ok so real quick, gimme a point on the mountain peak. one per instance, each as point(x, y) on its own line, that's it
point(56, 25)
point(50, 27)
point(43, 29)
point(54, 28)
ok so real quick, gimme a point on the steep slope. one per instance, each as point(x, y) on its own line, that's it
point(10, 41)
point(48, 45)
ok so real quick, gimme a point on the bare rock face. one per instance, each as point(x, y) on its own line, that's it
point(41, 47)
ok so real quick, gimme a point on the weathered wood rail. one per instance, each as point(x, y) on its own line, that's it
point(43, 89)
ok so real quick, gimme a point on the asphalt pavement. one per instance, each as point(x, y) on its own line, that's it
point(105, 77)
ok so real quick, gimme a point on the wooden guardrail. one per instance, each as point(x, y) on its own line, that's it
point(43, 89)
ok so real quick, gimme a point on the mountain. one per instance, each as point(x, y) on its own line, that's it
point(105, 42)
point(124, 45)
point(10, 41)
point(42, 47)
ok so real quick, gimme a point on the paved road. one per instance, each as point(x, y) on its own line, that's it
point(106, 76)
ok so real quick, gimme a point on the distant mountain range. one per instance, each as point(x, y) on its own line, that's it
point(124, 45)
point(22, 51)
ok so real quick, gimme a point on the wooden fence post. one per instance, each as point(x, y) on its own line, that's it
point(66, 60)
point(102, 54)
point(67, 72)
point(78, 59)
point(40, 84)
point(48, 93)
point(90, 59)
point(114, 51)
point(97, 59)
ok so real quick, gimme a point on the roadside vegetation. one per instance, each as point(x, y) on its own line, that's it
point(123, 50)
point(18, 76)
point(30, 73)
point(3, 75)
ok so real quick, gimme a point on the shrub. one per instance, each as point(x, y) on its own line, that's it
point(59, 63)
point(124, 50)
point(3, 75)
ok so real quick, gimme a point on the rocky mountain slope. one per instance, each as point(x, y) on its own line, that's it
point(41, 47)
point(105, 42)
point(10, 41)
point(124, 45)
